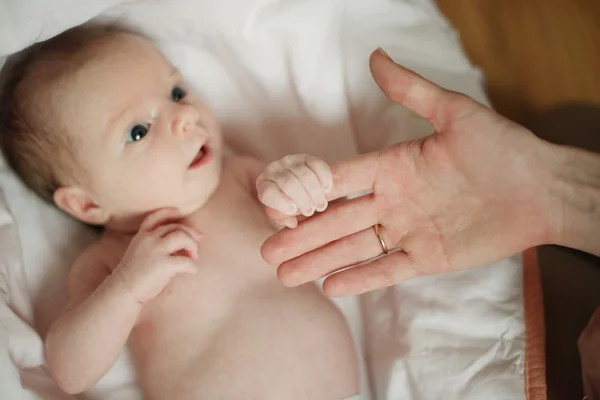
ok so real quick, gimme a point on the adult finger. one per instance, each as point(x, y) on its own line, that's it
point(386, 271)
point(410, 90)
point(354, 175)
point(342, 253)
point(340, 220)
point(322, 170)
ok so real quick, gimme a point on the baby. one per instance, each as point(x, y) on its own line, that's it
point(101, 124)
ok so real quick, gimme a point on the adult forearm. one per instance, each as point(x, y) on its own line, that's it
point(85, 341)
point(575, 199)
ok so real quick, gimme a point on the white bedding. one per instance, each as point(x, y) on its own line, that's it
point(283, 76)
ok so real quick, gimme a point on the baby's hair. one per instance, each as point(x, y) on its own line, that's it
point(40, 154)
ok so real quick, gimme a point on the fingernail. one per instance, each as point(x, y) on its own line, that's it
point(382, 51)
point(322, 207)
point(291, 223)
point(291, 209)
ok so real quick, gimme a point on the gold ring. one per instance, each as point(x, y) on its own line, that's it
point(378, 229)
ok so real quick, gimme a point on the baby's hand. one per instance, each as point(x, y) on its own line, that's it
point(296, 184)
point(159, 251)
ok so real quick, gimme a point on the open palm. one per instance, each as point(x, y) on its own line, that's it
point(470, 194)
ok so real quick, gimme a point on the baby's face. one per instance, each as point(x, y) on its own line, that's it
point(143, 139)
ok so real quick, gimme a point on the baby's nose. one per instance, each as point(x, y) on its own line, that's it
point(180, 125)
point(183, 121)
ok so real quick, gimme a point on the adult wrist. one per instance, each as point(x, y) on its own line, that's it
point(574, 198)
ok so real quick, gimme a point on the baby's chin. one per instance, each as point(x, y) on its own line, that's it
point(196, 201)
point(189, 198)
point(188, 209)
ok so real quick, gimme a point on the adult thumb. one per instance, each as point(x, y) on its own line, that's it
point(408, 89)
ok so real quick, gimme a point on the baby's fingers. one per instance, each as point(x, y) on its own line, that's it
point(271, 196)
point(323, 172)
point(312, 185)
point(281, 219)
point(289, 183)
point(183, 265)
point(158, 218)
point(166, 229)
point(178, 241)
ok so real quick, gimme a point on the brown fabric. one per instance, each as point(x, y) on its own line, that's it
point(535, 356)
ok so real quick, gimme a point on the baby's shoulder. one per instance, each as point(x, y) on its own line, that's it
point(101, 254)
point(99, 249)
point(90, 268)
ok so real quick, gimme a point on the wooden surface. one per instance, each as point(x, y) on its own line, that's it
point(536, 54)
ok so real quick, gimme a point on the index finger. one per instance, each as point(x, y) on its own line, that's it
point(350, 176)
point(354, 175)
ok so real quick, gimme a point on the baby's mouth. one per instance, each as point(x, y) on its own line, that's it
point(201, 158)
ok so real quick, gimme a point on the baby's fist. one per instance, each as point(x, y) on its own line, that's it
point(296, 184)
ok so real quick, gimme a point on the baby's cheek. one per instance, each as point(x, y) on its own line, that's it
point(138, 193)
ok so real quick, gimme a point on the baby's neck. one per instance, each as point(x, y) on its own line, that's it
point(128, 227)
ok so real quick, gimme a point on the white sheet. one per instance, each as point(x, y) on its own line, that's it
point(283, 76)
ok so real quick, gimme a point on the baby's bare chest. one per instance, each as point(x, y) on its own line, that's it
point(229, 264)
point(233, 319)
point(234, 323)
point(231, 275)
point(232, 330)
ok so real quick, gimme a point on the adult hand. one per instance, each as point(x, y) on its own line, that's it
point(472, 193)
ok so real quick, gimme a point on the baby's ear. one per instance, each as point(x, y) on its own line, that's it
point(80, 204)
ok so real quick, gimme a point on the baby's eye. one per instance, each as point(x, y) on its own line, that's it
point(137, 133)
point(177, 93)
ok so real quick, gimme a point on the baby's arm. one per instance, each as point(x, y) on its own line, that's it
point(85, 341)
